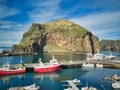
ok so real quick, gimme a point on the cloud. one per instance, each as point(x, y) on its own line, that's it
point(7, 43)
point(10, 38)
point(9, 25)
point(6, 11)
point(98, 18)
point(45, 11)
point(101, 24)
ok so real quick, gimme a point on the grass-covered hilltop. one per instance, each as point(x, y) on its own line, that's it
point(57, 36)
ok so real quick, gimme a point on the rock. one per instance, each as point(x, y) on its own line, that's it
point(57, 36)
point(110, 45)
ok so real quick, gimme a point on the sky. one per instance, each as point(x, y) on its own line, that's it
point(101, 17)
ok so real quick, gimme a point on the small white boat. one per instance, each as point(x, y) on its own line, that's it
point(116, 85)
point(31, 87)
point(99, 65)
point(92, 88)
point(88, 65)
point(89, 88)
point(69, 88)
point(84, 65)
point(84, 88)
point(76, 81)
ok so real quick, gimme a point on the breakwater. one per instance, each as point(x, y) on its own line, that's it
point(72, 64)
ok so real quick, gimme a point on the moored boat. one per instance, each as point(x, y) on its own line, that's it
point(89, 88)
point(8, 70)
point(96, 56)
point(54, 65)
point(30, 87)
point(111, 57)
point(113, 78)
point(88, 65)
point(99, 65)
point(116, 85)
point(76, 81)
point(69, 88)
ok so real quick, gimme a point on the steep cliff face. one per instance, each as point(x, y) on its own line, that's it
point(57, 36)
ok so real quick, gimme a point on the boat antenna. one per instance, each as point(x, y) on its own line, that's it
point(21, 56)
point(53, 57)
point(110, 53)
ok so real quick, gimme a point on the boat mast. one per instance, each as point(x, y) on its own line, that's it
point(21, 56)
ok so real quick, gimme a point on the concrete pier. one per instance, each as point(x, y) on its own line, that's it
point(69, 64)
point(72, 85)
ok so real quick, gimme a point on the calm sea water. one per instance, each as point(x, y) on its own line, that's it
point(51, 81)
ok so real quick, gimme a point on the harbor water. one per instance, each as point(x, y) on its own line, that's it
point(52, 81)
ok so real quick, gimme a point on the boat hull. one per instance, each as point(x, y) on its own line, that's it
point(44, 69)
point(9, 72)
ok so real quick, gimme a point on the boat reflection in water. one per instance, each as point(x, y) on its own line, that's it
point(7, 78)
point(51, 75)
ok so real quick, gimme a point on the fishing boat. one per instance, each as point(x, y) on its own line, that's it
point(8, 70)
point(96, 56)
point(31, 87)
point(116, 85)
point(111, 57)
point(53, 65)
point(113, 78)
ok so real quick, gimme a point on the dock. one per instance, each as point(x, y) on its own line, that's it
point(72, 85)
point(69, 64)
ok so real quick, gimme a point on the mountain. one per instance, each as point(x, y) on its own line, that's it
point(57, 36)
point(113, 45)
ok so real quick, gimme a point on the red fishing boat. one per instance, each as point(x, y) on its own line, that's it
point(54, 65)
point(8, 70)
